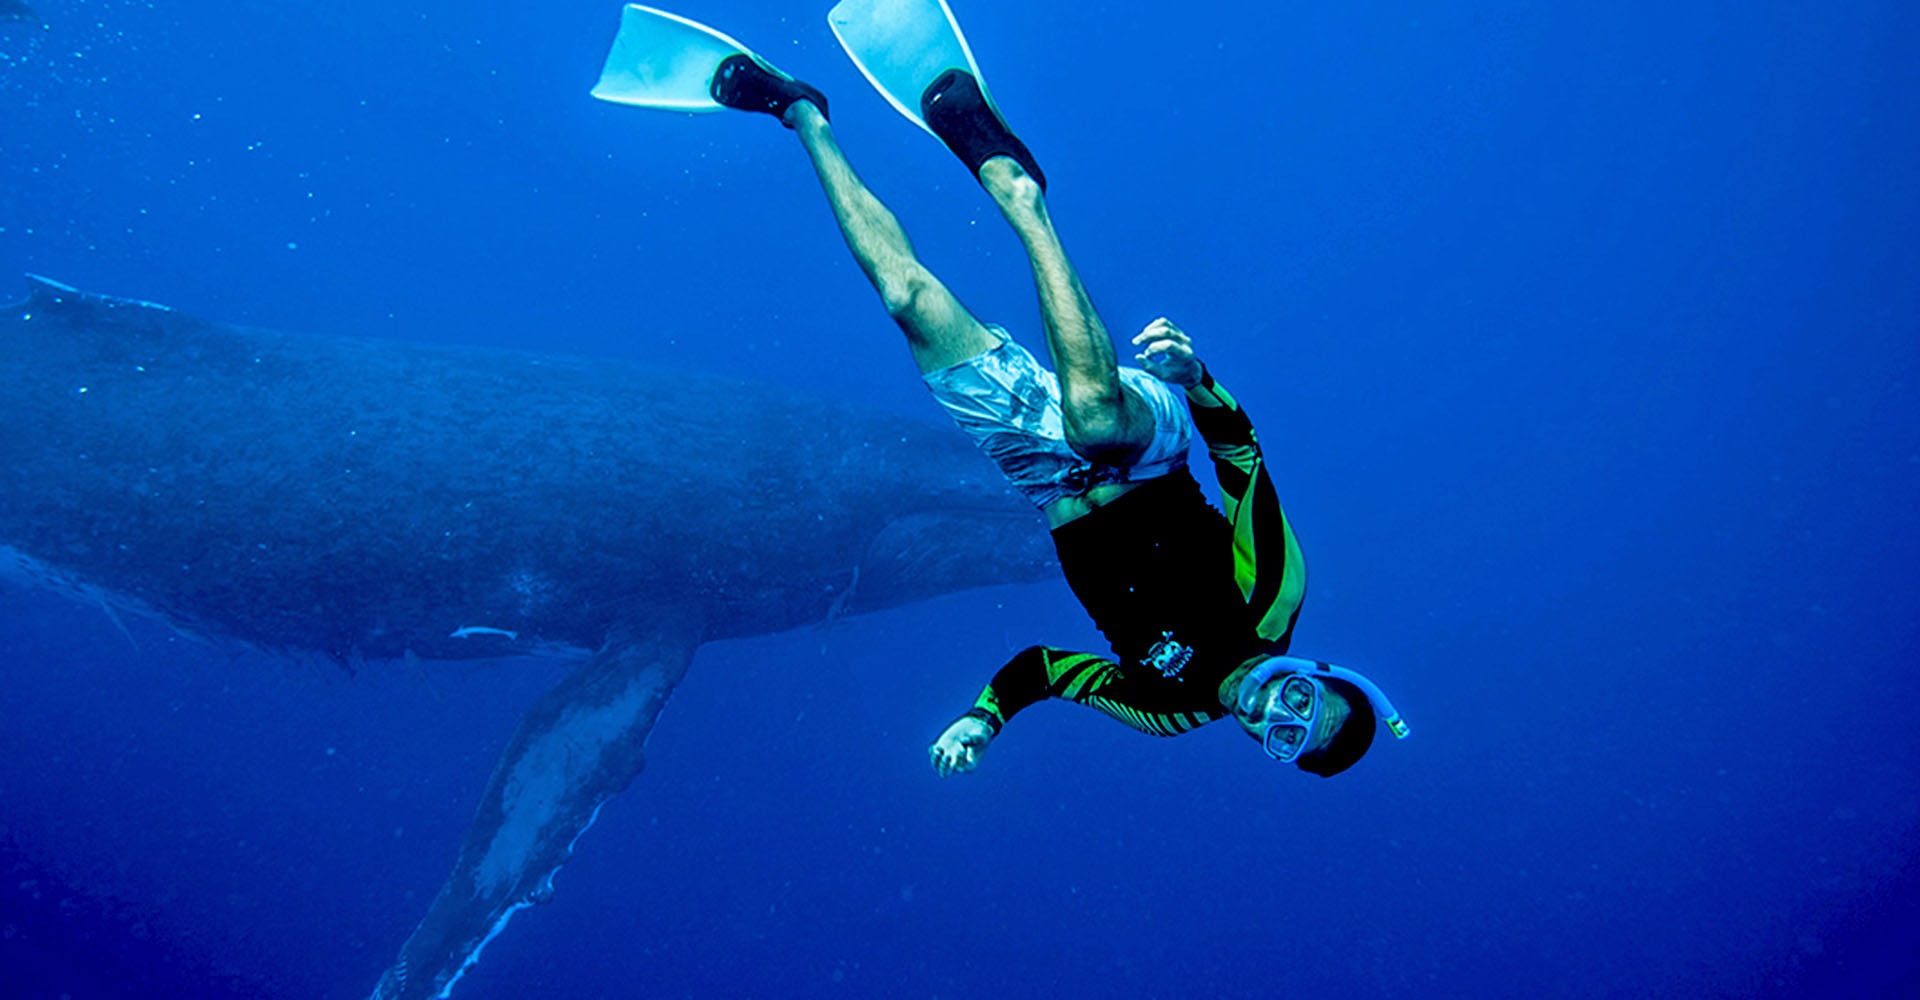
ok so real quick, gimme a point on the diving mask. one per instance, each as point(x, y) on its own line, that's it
point(1288, 713)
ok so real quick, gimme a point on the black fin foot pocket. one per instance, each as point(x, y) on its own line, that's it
point(744, 85)
point(958, 113)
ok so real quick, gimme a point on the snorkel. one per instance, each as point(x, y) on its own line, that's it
point(1247, 696)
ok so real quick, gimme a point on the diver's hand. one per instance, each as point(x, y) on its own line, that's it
point(958, 750)
point(1166, 352)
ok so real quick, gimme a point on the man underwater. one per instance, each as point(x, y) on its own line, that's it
point(1198, 606)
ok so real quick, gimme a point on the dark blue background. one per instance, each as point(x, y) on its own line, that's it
point(1583, 343)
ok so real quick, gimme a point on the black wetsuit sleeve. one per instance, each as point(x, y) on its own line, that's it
point(1041, 672)
point(1267, 565)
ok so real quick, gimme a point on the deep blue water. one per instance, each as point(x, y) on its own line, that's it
point(1584, 345)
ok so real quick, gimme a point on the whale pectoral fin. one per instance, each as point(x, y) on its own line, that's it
point(576, 747)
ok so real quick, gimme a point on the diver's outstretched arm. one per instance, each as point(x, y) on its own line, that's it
point(940, 331)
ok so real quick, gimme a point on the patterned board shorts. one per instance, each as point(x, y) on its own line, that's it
point(1010, 406)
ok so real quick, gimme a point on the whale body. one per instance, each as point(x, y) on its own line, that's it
point(373, 500)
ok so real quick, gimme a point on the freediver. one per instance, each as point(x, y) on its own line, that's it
point(1198, 605)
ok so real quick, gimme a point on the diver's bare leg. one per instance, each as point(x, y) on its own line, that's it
point(1104, 422)
point(940, 331)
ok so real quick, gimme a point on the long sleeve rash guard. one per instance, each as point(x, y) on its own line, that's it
point(1183, 592)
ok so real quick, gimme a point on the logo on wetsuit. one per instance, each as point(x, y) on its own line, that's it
point(1168, 656)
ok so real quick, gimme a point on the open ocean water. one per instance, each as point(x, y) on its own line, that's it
point(1583, 344)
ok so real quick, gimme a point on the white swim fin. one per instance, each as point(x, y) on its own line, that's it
point(662, 60)
point(902, 47)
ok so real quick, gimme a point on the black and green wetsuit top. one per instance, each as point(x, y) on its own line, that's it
point(1183, 593)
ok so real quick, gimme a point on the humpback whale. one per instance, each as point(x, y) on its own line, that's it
point(371, 501)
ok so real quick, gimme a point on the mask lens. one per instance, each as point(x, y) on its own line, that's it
point(1284, 741)
point(1297, 696)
